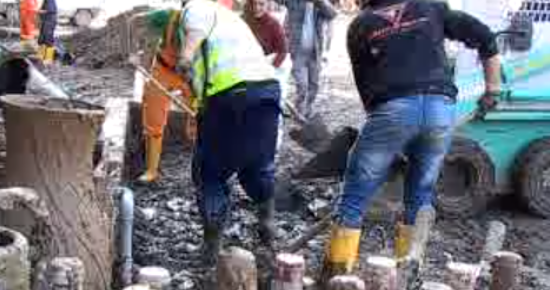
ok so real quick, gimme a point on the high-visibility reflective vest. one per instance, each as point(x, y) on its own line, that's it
point(229, 56)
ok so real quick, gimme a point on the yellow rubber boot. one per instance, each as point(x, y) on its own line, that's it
point(341, 254)
point(153, 147)
point(403, 235)
point(49, 55)
point(42, 52)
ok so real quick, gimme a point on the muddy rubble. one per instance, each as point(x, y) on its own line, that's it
point(105, 46)
point(167, 225)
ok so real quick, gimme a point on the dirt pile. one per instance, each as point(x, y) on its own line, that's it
point(105, 47)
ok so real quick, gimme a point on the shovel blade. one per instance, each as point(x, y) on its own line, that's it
point(332, 161)
point(313, 135)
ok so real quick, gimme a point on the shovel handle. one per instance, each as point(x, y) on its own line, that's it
point(294, 112)
point(173, 98)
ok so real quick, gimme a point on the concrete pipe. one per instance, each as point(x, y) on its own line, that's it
point(14, 264)
point(50, 144)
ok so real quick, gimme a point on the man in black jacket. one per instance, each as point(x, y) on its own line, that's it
point(396, 48)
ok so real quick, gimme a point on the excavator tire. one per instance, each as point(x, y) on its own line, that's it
point(530, 177)
point(466, 179)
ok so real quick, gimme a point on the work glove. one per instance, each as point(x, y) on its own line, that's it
point(487, 102)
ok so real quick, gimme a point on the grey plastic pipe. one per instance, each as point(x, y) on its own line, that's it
point(39, 82)
point(125, 221)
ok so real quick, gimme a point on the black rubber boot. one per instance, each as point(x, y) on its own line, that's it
point(266, 219)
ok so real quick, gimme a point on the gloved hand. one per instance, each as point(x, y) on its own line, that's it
point(488, 101)
point(485, 103)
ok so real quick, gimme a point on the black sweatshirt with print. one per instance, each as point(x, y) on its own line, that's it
point(396, 48)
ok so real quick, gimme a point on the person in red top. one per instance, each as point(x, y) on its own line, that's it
point(267, 30)
point(271, 36)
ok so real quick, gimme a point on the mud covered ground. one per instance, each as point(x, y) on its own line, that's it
point(168, 231)
point(168, 238)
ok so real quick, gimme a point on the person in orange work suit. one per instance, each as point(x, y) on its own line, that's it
point(156, 105)
point(28, 10)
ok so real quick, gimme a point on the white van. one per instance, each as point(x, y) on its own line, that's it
point(9, 10)
point(79, 13)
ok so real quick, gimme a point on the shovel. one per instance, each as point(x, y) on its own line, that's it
point(331, 160)
point(313, 135)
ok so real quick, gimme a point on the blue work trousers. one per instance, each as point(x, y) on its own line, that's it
point(418, 126)
point(237, 133)
point(47, 29)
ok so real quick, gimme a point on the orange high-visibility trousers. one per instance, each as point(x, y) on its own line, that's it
point(156, 105)
point(28, 16)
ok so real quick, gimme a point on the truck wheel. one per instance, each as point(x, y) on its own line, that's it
point(466, 180)
point(532, 177)
point(82, 18)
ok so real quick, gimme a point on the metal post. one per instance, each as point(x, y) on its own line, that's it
point(237, 270)
point(289, 272)
point(506, 269)
point(461, 276)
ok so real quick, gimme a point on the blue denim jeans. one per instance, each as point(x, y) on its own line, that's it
point(418, 126)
